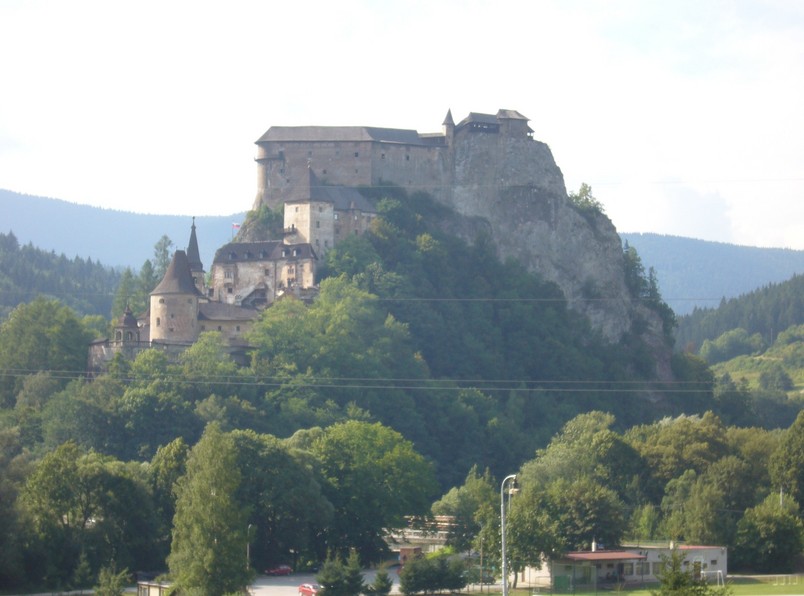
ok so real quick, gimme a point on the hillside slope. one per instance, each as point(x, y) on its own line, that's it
point(115, 238)
point(698, 273)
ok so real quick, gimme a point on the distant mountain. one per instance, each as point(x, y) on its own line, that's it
point(113, 238)
point(698, 273)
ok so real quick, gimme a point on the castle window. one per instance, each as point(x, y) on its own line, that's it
point(118, 335)
point(172, 315)
point(320, 209)
point(229, 290)
point(228, 274)
point(297, 209)
point(324, 171)
point(337, 230)
point(316, 242)
point(203, 327)
point(161, 301)
point(220, 328)
point(284, 252)
point(267, 272)
point(237, 328)
point(295, 252)
point(357, 154)
point(129, 336)
point(309, 154)
point(317, 224)
point(382, 156)
point(336, 216)
point(158, 321)
point(326, 243)
point(407, 157)
point(189, 301)
point(170, 329)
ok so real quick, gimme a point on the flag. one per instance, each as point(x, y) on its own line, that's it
point(235, 226)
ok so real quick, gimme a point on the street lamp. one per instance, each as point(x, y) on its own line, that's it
point(512, 478)
point(248, 547)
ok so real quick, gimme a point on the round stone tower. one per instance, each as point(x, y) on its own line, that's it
point(174, 304)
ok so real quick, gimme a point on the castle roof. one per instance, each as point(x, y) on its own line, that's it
point(193, 255)
point(476, 118)
point(343, 198)
point(127, 319)
point(178, 278)
point(220, 311)
point(287, 134)
point(273, 250)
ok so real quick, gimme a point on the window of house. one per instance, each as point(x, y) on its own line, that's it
point(170, 329)
point(267, 272)
point(326, 243)
point(295, 252)
point(324, 171)
point(172, 315)
point(316, 242)
point(189, 301)
point(237, 328)
point(657, 567)
point(118, 335)
point(227, 274)
point(713, 562)
point(643, 568)
point(628, 569)
point(320, 209)
point(407, 158)
point(382, 156)
point(229, 290)
point(309, 154)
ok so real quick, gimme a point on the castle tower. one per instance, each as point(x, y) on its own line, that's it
point(194, 258)
point(449, 128)
point(127, 331)
point(174, 304)
point(312, 220)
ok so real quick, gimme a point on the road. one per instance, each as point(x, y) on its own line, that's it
point(288, 585)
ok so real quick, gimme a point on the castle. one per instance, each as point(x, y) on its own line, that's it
point(314, 173)
point(355, 156)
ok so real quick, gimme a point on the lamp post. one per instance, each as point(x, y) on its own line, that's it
point(512, 478)
point(248, 547)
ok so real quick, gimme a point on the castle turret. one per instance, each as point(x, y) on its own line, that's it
point(174, 304)
point(449, 128)
point(194, 259)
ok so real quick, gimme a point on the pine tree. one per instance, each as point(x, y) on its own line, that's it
point(208, 553)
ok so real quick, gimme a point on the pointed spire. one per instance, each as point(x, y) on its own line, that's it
point(193, 256)
point(448, 121)
point(178, 278)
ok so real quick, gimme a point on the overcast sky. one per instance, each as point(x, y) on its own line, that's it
point(686, 117)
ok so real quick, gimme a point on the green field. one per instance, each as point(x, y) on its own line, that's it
point(740, 586)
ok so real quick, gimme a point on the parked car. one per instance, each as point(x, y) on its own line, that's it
point(309, 589)
point(279, 570)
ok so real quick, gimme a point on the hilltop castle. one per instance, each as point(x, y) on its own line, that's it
point(355, 156)
point(487, 169)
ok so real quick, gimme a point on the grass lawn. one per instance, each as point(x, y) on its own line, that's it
point(740, 586)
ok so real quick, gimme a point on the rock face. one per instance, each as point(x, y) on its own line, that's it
point(496, 177)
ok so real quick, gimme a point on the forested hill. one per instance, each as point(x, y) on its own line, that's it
point(27, 272)
point(698, 273)
point(767, 311)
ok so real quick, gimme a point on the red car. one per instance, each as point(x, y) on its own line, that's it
point(309, 589)
point(279, 570)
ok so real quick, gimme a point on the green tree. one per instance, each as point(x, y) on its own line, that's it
point(463, 504)
point(162, 256)
point(787, 461)
point(382, 584)
point(374, 478)
point(111, 582)
point(585, 201)
point(42, 335)
point(674, 580)
point(209, 530)
point(769, 536)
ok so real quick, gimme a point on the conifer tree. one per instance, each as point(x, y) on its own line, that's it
point(208, 553)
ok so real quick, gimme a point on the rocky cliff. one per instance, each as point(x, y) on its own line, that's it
point(517, 188)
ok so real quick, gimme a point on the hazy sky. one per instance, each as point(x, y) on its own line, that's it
point(686, 117)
